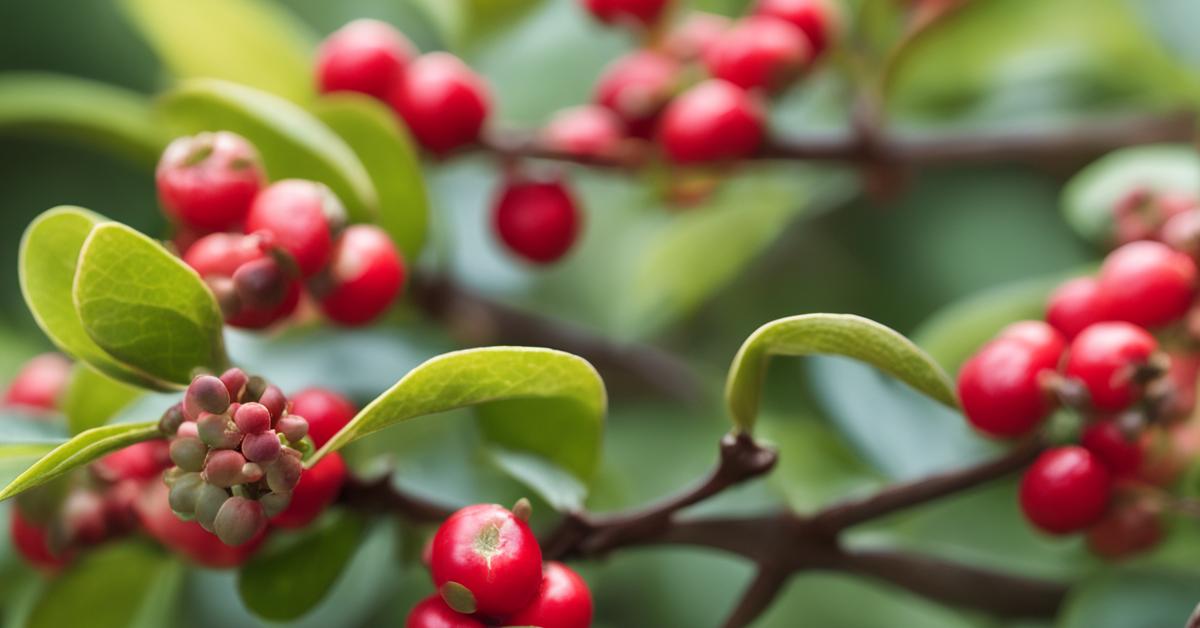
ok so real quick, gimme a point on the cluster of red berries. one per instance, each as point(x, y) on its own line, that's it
point(258, 245)
point(487, 567)
point(1119, 349)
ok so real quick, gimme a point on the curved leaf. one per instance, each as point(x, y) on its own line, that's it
point(92, 398)
point(246, 41)
point(833, 334)
point(91, 112)
point(146, 307)
point(291, 141)
point(48, 258)
point(80, 450)
point(387, 151)
point(535, 400)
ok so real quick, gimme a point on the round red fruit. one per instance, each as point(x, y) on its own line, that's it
point(1126, 530)
point(207, 181)
point(1108, 442)
point(1000, 387)
point(713, 121)
point(187, 537)
point(759, 52)
point(1104, 358)
point(636, 87)
point(443, 101)
point(365, 275)
point(32, 542)
point(40, 382)
point(317, 489)
point(327, 412)
point(366, 56)
point(298, 216)
point(1065, 490)
point(221, 254)
point(817, 18)
point(537, 220)
point(563, 601)
point(640, 12)
point(1041, 336)
point(1074, 306)
point(493, 555)
point(141, 461)
point(432, 612)
point(1147, 283)
point(588, 130)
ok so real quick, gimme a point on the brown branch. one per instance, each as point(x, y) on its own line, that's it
point(757, 597)
point(379, 495)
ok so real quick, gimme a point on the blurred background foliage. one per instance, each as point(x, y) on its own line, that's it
point(776, 240)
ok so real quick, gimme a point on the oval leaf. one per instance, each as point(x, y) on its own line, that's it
point(92, 398)
point(146, 307)
point(832, 334)
point(80, 450)
point(246, 41)
point(535, 400)
point(291, 141)
point(387, 151)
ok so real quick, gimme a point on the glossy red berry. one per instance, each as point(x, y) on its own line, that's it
point(207, 181)
point(588, 130)
point(493, 554)
point(1126, 530)
point(365, 276)
point(713, 121)
point(638, 12)
point(1037, 334)
point(327, 412)
point(1074, 306)
point(759, 52)
point(298, 216)
point(432, 612)
point(221, 254)
point(1147, 283)
point(317, 489)
point(636, 87)
point(444, 102)
point(1104, 358)
point(141, 461)
point(40, 383)
point(1001, 388)
point(563, 601)
point(188, 538)
point(692, 38)
point(32, 542)
point(817, 18)
point(1121, 454)
point(366, 56)
point(537, 220)
point(1065, 490)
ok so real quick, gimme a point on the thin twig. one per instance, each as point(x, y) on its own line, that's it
point(757, 597)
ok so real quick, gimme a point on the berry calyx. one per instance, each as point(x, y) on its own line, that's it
point(365, 275)
point(432, 612)
point(817, 18)
point(759, 52)
point(490, 555)
point(1065, 490)
point(713, 121)
point(537, 220)
point(327, 412)
point(299, 216)
point(39, 384)
point(365, 56)
point(563, 601)
point(207, 181)
point(1105, 358)
point(444, 102)
point(1001, 387)
point(587, 130)
point(1075, 305)
point(317, 489)
point(636, 87)
point(1147, 283)
point(640, 13)
point(1118, 451)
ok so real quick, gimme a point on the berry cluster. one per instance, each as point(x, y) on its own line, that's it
point(487, 566)
point(258, 245)
point(1119, 349)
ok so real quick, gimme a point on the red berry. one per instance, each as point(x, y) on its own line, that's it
point(639, 12)
point(1037, 334)
point(636, 87)
point(697, 32)
point(563, 601)
point(207, 181)
point(1126, 530)
point(492, 553)
point(297, 214)
point(817, 18)
point(327, 412)
point(1074, 306)
point(252, 418)
point(40, 382)
point(1147, 283)
point(32, 541)
point(537, 220)
point(1065, 490)
point(366, 275)
point(250, 318)
point(317, 489)
point(366, 56)
point(187, 537)
point(221, 254)
point(1121, 454)
point(432, 612)
point(588, 130)
point(759, 52)
point(443, 101)
point(1000, 387)
point(713, 121)
point(1104, 357)
point(141, 461)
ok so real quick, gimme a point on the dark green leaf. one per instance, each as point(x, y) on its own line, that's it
point(563, 491)
point(80, 450)
point(93, 398)
point(1130, 598)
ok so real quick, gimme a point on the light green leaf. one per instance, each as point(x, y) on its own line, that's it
point(146, 307)
point(1091, 195)
point(290, 578)
point(539, 401)
point(92, 398)
point(466, 22)
point(562, 490)
point(832, 334)
point(80, 450)
point(1129, 598)
point(90, 112)
point(48, 258)
point(291, 141)
point(386, 150)
point(252, 42)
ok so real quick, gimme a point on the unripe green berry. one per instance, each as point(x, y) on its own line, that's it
point(239, 520)
point(218, 431)
point(184, 493)
point(275, 503)
point(208, 504)
point(293, 427)
point(283, 473)
point(171, 420)
point(188, 453)
point(223, 468)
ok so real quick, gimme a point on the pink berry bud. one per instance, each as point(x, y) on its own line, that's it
point(239, 520)
point(274, 400)
point(218, 431)
point(235, 382)
point(224, 468)
point(261, 447)
point(293, 427)
point(283, 473)
point(171, 420)
point(253, 418)
point(188, 453)
point(251, 473)
point(206, 394)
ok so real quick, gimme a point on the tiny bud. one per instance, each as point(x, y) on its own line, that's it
point(260, 284)
point(261, 447)
point(218, 431)
point(251, 473)
point(239, 520)
point(293, 427)
point(274, 400)
point(224, 468)
point(171, 420)
point(253, 418)
point(255, 386)
point(275, 503)
point(235, 382)
point(522, 509)
point(208, 504)
point(206, 394)
point(458, 597)
point(187, 430)
point(184, 493)
point(188, 453)
point(283, 473)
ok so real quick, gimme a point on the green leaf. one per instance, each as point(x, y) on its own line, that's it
point(110, 118)
point(80, 450)
point(48, 258)
point(292, 577)
point(93, 398)
point(1089, 198)
point(834, 334)
point(540, 401)
point(1132, 598)
point(119, 586)
point(562, 490)
point(146, 307)
point(252, 42)
point(466, 22)
point(387, 151)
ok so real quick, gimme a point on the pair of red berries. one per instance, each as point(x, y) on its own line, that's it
point(213, 183)
point(487, 566)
